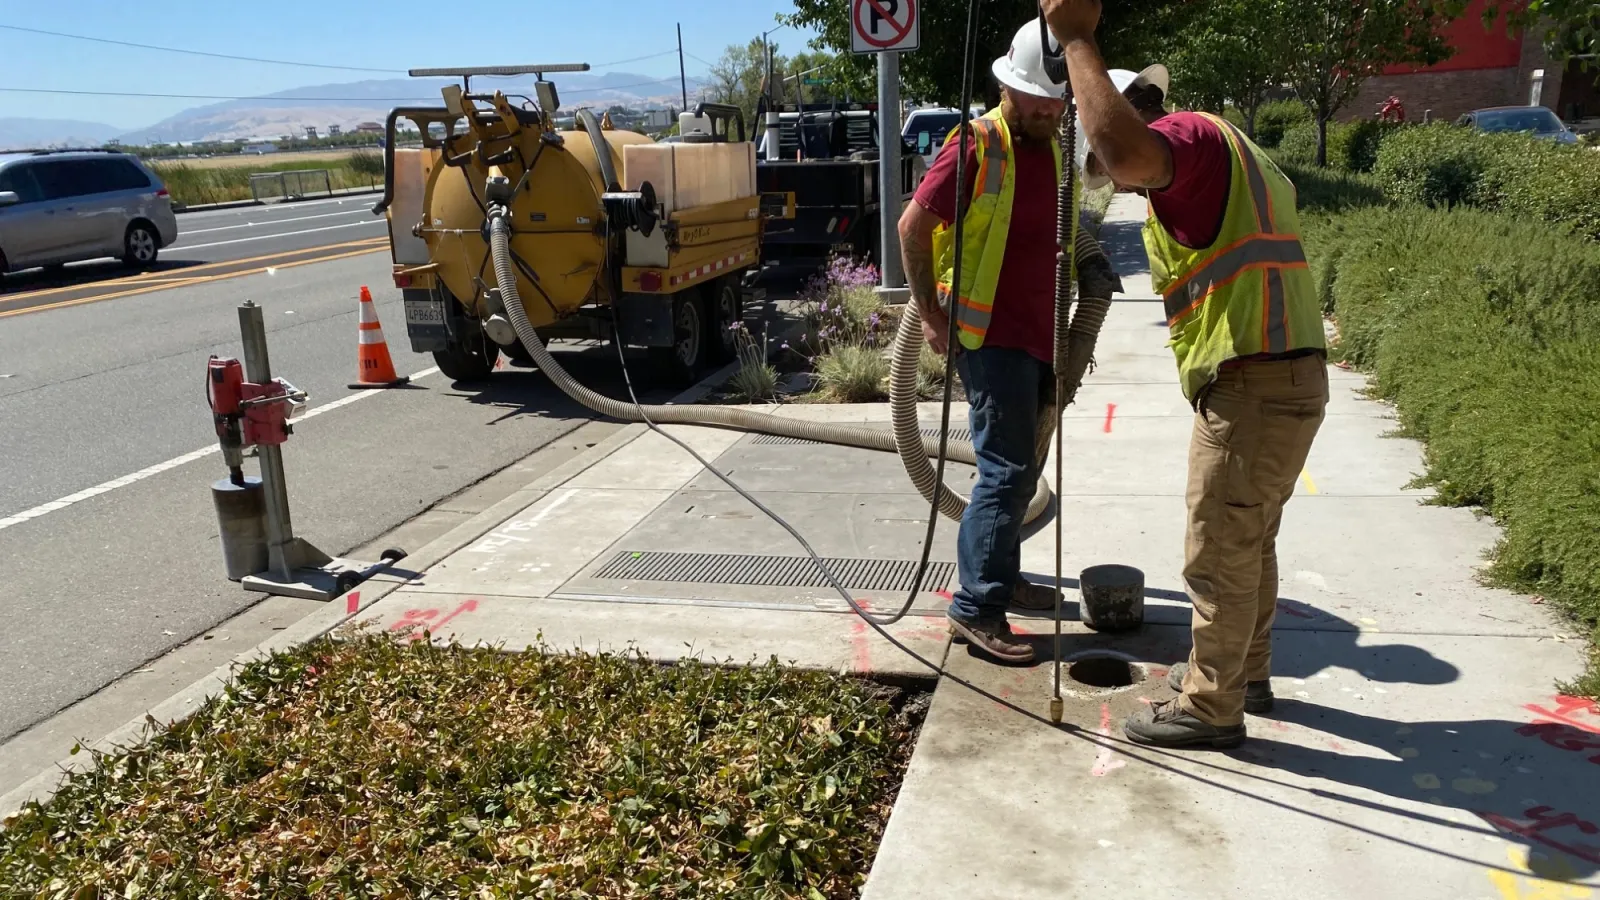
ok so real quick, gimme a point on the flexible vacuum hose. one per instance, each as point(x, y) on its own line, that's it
point(906, 438)
point(1096, 283)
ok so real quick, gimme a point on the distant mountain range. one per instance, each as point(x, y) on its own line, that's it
point(345, 105)
point(20, 132)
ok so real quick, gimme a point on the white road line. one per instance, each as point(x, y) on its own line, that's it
point(342, 212)
point(180, 245)
point(109, 486)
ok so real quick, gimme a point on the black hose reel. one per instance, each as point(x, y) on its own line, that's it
point(633, 209)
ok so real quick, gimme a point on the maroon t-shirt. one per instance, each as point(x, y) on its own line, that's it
point(1192, 206)
point(1024, 308)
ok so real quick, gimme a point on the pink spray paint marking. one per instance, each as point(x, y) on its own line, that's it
point(420, 619)
point(860, 650)
point(352, 602)
point(1106, 762)
point(1284, 607)
point(1111, 410)
point(1534, 822)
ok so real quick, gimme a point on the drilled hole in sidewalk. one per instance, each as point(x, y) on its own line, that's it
point(1103, 672)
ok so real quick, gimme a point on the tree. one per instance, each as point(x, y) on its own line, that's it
point(1567, 28)
point(740, 75)
point(1329, 47)
point(1131, 34)
point(1227, 52)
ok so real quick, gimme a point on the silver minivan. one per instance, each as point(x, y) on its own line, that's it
point(58, 207)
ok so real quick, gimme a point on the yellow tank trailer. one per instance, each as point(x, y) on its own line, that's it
point(615, 235)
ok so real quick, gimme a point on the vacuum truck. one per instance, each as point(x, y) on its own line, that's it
point(614, 236)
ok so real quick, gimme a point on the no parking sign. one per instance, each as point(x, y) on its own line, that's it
point(877, 26)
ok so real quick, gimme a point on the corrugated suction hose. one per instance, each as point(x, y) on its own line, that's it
point(906, 438)
point(1096, 282)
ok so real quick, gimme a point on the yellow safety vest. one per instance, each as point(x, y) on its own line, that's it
point(984, 230)
point(1249, 292)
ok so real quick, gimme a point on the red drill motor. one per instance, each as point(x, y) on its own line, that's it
point(247, 414)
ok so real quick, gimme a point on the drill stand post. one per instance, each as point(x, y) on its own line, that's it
point(294, 566)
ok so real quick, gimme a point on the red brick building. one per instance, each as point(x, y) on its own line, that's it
point(1488, 68)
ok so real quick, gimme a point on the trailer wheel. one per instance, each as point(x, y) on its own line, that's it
point(727, 311)
point(687, 356)
point(468, 360)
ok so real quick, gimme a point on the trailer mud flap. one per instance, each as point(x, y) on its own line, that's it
point(644, 320)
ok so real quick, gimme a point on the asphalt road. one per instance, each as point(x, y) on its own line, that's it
point(109, 396)
point(211, 245)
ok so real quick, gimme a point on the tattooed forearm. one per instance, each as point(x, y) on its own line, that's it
point(916, 255)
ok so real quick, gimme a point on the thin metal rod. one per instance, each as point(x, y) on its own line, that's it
point(1066, 292)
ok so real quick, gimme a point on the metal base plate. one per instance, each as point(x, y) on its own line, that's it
point(320, 583)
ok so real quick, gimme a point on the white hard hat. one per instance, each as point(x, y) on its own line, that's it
point(1156, 76)
point(1022, 68)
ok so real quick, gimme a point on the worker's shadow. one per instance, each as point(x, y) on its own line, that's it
point(1327, 641)
point(1535, 782)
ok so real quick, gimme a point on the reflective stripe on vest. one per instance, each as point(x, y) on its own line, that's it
point(984, 230)
point(1249, 292)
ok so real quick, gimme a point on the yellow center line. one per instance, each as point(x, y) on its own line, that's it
point(148, 277)
point(1305, 479)
point(199, 279)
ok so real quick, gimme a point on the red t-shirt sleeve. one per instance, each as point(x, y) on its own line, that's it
point(1191, 207)
point(936, 193)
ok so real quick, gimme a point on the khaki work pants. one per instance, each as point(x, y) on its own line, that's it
point(1252, 432)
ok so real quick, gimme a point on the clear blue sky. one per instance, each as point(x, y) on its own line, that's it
point(394, 34)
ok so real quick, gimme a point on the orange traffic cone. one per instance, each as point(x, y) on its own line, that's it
point(372, 351)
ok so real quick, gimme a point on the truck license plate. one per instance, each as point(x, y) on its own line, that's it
point(424, 312)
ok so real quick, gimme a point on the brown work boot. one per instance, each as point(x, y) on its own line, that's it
point(994, 638)
point(1257, 694)
point(1033, 597)
point(1169, 725)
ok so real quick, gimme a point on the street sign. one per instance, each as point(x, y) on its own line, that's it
point(877, 26)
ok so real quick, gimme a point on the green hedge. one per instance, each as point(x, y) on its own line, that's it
point(1352, 146)
point(1491, 353)
point(1275, 118)
point(1445, 166)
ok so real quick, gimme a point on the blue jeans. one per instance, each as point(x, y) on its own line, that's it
point(1007, 390)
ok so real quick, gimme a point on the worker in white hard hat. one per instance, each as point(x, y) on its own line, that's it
point(1004, 308)
point(1223, 239)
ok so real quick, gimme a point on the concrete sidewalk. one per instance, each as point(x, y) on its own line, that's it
point(1419, 748)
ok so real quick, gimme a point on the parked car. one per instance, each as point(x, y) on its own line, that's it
point(926, 129)
point(1538, 121)
point(58, 207)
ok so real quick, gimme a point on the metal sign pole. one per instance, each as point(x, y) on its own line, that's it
point(890, 190)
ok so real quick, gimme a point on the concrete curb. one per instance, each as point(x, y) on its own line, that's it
point(338, 612)
point(187, 701)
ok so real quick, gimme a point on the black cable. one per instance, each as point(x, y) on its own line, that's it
point(963, 200)
point(822, 565)
point(875, 622)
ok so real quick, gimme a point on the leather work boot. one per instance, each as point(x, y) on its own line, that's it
point(1257, 694)
point(993, 638)
point(1166, 724)
point(1033, 597)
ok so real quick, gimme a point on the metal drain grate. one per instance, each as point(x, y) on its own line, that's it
point(773, 571)
point(956, 434)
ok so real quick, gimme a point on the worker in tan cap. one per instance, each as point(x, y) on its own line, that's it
point(1246, 327)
